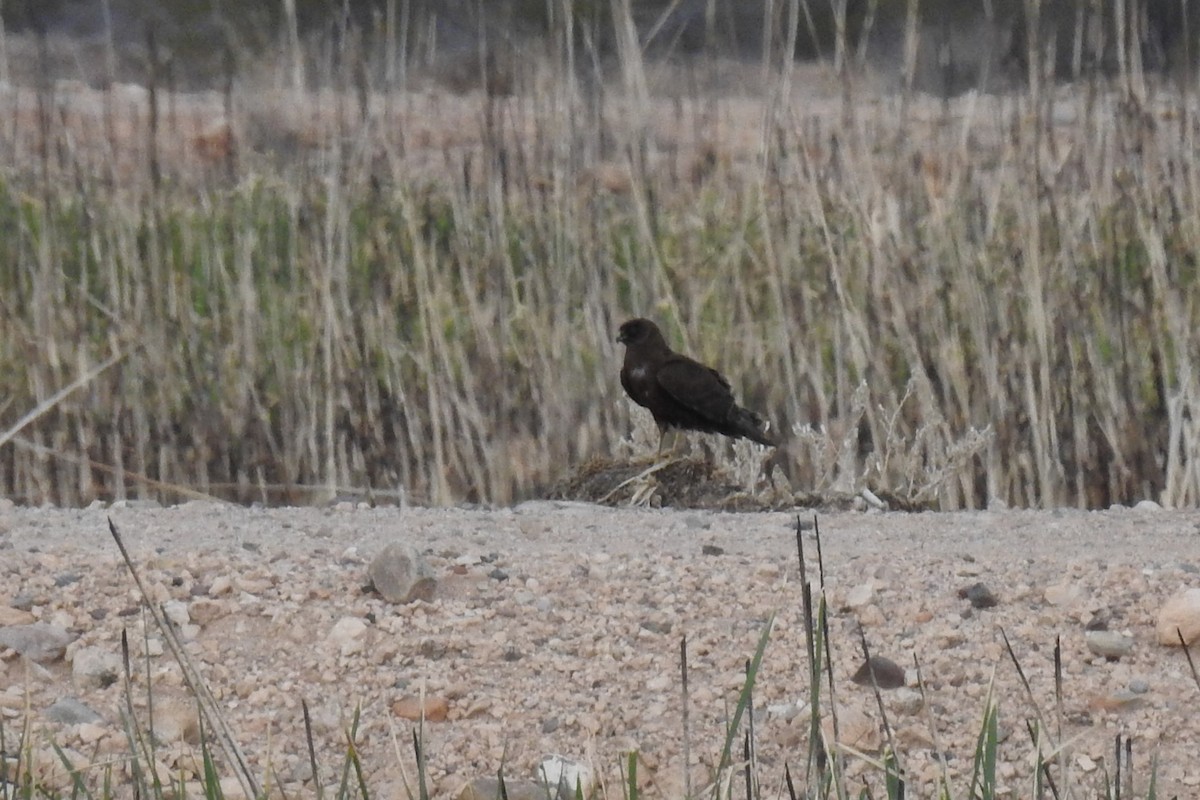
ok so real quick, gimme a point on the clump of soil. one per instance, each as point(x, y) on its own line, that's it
point(684, 482)
point(695, 482)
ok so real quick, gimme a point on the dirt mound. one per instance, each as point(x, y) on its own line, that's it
point(686, 482)
point(693, 482)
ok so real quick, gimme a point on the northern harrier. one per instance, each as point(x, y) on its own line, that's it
point(680, 392)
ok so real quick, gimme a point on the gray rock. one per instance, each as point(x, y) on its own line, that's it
point(95, 667)
point(556, 779)
point(402, 575)
point(70, 711)
point(177, 612)
point(514, 789)
point(566, 777)
point(40, 642)
point(1109, 644)
point(1139, 686)
point(23, 601)
point(908, 701)
point(888, 674)
point(979, 596)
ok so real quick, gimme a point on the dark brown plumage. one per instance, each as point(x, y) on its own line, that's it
point(680, 392)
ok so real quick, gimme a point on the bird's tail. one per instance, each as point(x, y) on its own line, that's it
point(751, 426)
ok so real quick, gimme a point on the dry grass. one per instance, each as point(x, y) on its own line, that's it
point(412, 295)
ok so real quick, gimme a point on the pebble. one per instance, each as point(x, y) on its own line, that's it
point(908, 701)
point(175, 720)
point(1115, 701)
point(90, 732)
point(860, 595)
point(915, 737)
point(97, 667)
point(10, 616)
point(856, 729)
point(205, 611)
point(1109, 644)
point(23, 601)
point(402, 575)
point(345, 630)
point(871, 617)
point(40, 642)
point(569, 778)
point(514, 789)
point(1062, 594)
point(1180, 615)
point(659, 683)
point(979, 596)
point(888, 674)
point(221, 585)
point(434, 708)
point(70, 711)
point(177, 612)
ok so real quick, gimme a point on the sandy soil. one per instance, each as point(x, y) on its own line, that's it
point(556, 628)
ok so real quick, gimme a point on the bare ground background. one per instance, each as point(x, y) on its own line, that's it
point(556, 627)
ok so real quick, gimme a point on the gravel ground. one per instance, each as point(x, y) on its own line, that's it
point(556, 627)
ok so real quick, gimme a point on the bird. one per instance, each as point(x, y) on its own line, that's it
point(682, 393)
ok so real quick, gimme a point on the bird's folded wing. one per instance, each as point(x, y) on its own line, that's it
point(694, 385)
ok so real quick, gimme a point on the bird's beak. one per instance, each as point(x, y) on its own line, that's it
point(621, 338)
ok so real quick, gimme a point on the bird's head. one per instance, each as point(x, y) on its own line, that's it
point(637, 331)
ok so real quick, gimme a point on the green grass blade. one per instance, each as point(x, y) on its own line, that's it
point(983, 771)
point(744, 697)
point(348, 762)
point(212, 778)
point(77, 785)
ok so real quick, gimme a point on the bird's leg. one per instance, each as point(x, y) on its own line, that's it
point(674, 435)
